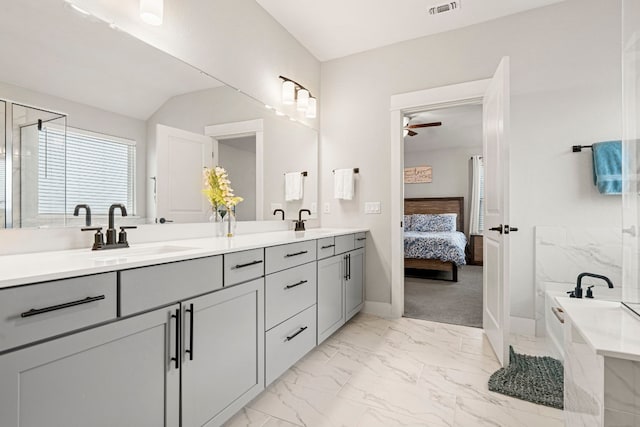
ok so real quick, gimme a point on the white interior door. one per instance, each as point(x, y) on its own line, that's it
point(495, 301)
point(181, 157)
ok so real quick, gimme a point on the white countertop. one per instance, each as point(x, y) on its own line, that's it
point(608, 327)
point(44, 266)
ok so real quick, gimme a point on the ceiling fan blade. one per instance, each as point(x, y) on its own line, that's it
point(412, 133)
point(424, 125)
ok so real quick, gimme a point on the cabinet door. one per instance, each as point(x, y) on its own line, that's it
point(354, 284)
point(223, 357)
point(331, 307)
point(120, 374)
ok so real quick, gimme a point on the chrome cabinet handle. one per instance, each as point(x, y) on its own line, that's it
point(298, 332)
point(36, 311)
point(295, 254)
point(302, 282)
point(249, 264)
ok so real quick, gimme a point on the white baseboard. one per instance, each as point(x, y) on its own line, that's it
point(523, 326)
point(381, 309)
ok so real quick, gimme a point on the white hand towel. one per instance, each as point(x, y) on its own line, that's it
point(343, 184)
point(293, 186)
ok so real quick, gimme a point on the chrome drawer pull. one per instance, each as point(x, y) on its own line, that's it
point(302, 282)
point(327, 247)
point(36, 311)
point(249, 264)
point(296, 254)
point(290, 337)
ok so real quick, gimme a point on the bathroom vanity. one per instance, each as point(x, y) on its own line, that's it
point(174, 333)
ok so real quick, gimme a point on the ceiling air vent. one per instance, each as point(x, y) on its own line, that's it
point(445, 7)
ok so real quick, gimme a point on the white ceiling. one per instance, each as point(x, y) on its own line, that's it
point(461, 128)
point(331, 29)
point(48, 47)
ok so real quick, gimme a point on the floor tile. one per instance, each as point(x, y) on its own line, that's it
point(248, 418)
point(317, 375)
point(471, 412)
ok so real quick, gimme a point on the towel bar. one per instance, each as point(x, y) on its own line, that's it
point(355, 170)
point(578, 148)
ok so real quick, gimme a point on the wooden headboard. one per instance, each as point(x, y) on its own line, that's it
point(437, 205)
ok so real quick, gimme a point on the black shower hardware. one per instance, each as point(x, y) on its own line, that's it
point(577, 292)
point(87, 218)
point(279, 210)
point(300, 222)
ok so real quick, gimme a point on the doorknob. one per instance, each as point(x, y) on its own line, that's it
point(508, 229)
point(498, 229)
point(164, 220)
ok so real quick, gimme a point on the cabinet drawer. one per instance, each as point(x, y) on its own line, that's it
point(34, 312)
point(345, 243)
point(289, 292)
point(148, 287)
point(287, 256)
point(242, 266)
point(288, 342)
point(326, 247)
point(360, 240)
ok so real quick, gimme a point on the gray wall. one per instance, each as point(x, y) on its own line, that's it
point(566, 89)
point(240, 164)
point(451, 175)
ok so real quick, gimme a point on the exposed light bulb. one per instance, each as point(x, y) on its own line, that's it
point(311, 109)
point(303, 99)
point(152, 11)
point(288, 92)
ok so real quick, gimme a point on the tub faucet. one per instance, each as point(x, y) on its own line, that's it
point(87, 218)
point(577, 292)
point(300, 221)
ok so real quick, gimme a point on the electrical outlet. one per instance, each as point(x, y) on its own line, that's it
point(327, 208)
point(275, 206)
point(314, 208)
point(372, 208)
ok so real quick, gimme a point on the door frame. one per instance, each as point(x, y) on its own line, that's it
point(240, 129)
point(471, 92)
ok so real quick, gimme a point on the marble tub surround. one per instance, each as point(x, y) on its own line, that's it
point(403, 372)
point(561, 253)
point(45, 266)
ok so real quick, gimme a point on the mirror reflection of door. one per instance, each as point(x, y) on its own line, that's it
point(238, 156)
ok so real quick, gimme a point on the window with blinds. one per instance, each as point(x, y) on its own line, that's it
point(100, 171)
point(481, 213)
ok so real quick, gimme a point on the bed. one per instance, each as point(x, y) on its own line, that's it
point(435, 250)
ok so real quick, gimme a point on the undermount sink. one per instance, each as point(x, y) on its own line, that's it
point(115, 255)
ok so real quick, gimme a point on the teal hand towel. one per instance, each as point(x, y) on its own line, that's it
point(607, 167)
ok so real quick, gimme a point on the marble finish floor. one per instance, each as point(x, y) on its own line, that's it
point(404, 372)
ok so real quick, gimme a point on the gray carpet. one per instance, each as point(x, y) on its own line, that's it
point(459, 303)
point(534, 379)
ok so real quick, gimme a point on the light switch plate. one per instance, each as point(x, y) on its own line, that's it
point(327, 208)
point(275, 206)
point(372, 207)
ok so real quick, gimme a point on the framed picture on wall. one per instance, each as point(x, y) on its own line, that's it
point(418, 175)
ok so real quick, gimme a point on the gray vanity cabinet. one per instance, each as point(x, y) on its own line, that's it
point(119, 374)
point(222, 353)
point(340, 290)
point(354, 283)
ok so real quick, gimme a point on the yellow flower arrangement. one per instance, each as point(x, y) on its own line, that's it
point(217, 188)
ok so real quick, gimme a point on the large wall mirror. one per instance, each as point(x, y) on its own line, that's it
point(91, 115)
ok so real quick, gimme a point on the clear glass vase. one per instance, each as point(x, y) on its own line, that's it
point(230, 223)
point(217, 219)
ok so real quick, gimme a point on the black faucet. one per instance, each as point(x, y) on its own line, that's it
point(577, 292)
point(281, 211)
point(300, 221)
point(87, 218)
point(98, 241)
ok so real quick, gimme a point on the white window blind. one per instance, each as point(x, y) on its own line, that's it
point(100, 171)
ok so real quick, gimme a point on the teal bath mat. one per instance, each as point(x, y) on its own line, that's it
point(532, 378)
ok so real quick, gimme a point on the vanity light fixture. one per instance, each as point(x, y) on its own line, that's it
point(294, 92)
point(152, 11)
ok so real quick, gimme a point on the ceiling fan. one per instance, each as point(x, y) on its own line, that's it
point(408, 128)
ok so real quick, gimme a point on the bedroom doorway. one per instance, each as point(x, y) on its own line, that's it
point(443, 199)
